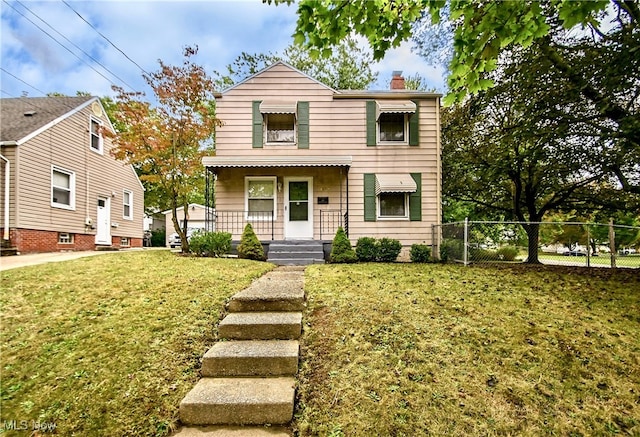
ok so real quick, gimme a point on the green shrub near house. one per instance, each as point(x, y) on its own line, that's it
point(250, 247)
point(214, 244)
point(388, 250)
point(366, 249)
point(341, 250)
point(420, 253)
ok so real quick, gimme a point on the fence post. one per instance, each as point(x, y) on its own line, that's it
point(588, 247)
point(612, 243)
point(466, 241)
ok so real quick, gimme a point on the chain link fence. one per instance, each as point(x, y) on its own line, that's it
point(552, 243)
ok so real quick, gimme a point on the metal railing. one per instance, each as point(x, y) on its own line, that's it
point(235, 221)
point(330, 220)
point(557, 243)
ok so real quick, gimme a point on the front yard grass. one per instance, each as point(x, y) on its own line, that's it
point(417, 350)
point(109, 345)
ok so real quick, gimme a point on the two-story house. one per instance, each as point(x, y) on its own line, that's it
point(60, 187)
point(297, 159)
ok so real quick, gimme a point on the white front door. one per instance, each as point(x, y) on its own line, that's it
point(298, 208)
point(103, 228)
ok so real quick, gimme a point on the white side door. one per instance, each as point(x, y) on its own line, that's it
point(298, 208)
point(103, 228)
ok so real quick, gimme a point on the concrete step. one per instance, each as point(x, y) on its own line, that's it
point(233, 431)
point(252, 358)
point(261, 326)
point(296, 261)
point(276, 292)
point(239, 401)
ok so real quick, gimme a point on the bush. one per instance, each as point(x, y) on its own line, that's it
point(158, 238)
point(366, 249)
point(213, 244)
point(250, 247)
point(420, 253)
point(507, 253)
point(451, 250)
point(341, 250)
point(388, 250)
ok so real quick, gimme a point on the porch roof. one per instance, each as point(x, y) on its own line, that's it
point(275, 161)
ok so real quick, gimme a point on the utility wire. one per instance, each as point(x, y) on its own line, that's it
point(27, 84)
point(105, 38)
point(73, 44)
point(62, 45)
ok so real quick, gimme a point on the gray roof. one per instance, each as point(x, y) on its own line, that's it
point(21, 116)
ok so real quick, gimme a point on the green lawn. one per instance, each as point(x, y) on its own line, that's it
point(444, 350)
point(603, 260)
point(109, 345)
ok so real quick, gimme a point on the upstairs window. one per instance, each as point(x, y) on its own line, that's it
point(95, 131)
point(280, 124)
point(62, 188)
point(392, 122)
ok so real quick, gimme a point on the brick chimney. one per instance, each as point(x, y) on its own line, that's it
point(397, 81)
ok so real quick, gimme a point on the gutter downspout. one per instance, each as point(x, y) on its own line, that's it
point(7, 180)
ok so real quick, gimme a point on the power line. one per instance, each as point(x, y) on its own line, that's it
point(27, 84)
point(105, 38)
point(62, 45)
point(73, 44)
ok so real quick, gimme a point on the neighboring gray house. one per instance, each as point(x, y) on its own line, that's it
point(60, 187)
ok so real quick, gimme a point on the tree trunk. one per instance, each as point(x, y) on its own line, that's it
point(533, 238)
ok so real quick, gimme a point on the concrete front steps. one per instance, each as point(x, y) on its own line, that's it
point(296, 252)
point(248, 381)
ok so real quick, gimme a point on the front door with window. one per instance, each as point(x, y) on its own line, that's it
point(103, 230)
point(298, 208)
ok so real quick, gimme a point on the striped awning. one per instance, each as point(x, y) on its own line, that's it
point(278, 107)
point(395, 106)
point(215, 162)
point(395, 183)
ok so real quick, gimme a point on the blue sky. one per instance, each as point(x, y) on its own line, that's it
point(146, 31)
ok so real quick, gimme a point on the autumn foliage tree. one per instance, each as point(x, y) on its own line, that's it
point(166, 143)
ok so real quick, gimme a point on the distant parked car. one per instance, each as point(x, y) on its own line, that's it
point(175, 241)
point(574, 253)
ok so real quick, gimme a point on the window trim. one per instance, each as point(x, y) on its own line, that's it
point(404, 217)
point(72, 189)
point(130, 205)
point(69, 237)
point(125, 242)
point(98, 122)
point(404, 142)
point(248, 179)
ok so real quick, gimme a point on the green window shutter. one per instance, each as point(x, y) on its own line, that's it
point(371, 123)
point(258, 138)
point(415, 199)
point(303, 125)
point(414, 126)
point(369, 197)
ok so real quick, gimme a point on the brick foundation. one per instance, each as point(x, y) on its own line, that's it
point(34, 241)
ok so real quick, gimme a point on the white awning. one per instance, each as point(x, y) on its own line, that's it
point(278, 107)
point(395, 106)
point(395, 183)
point(275, 161)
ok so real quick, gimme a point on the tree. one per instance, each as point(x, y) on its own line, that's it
point(510, 150)
point(597, 59)
point(347, 67)
point(166, 143)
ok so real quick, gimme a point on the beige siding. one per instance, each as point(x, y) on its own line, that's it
point(66, 145)
point(336, 127)
point(9, 152)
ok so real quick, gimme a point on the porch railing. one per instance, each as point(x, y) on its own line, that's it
point(235, 221)
point(330, 219)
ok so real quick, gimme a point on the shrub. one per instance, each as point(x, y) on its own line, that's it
point(366, 249)
point(420, 253)
point(158, 238)
point(451, 250)
point(507, 253)
point(250, 247)
point(213, 244)
point(341, 250)
point(388, 250)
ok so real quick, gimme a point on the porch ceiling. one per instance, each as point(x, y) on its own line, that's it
point(216, 162)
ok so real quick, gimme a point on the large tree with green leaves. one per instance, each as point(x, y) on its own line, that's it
point(348, 66)
point(166, 143)
point(592, 45)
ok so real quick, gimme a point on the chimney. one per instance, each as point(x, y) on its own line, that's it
point(397, 81)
